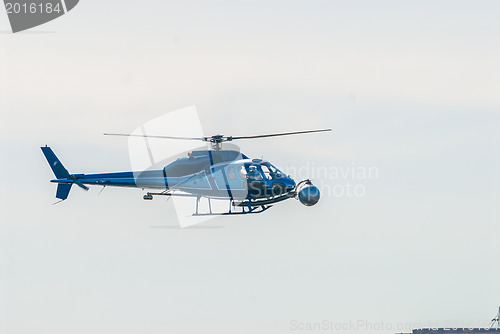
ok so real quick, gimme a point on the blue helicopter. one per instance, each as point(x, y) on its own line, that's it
point(250, 185)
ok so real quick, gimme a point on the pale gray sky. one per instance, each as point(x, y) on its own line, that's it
point(409, 87)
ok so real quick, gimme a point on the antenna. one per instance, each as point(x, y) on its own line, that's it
point(496, 319)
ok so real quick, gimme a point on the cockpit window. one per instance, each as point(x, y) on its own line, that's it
point(250, 173)
point(271, 172)
point(267, 172)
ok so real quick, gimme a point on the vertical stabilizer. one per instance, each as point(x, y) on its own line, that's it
point(57, 167)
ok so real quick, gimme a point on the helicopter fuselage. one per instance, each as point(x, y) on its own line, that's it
point(207, 173)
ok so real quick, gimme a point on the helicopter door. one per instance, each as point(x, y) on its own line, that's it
point(255, 183)
point(236, 183)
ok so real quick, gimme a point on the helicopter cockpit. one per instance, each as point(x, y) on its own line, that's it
point(250, 172)
point(271, 172)
point(260, 178)
point(260, 171)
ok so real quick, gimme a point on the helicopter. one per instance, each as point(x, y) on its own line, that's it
point(250, 185)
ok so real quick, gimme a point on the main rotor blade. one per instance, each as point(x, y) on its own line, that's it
point(148, 136)
point(280, 134)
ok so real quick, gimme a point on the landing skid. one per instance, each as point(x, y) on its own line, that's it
point(257, 209)
point(246, 206)
point(249, 209)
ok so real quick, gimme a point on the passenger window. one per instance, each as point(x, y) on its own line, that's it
point(231, 174)
point(243, 172)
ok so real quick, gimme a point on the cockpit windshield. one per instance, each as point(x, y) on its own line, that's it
point(271, 172)
point(250, 172)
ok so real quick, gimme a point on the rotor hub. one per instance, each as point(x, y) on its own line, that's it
point(217, 141)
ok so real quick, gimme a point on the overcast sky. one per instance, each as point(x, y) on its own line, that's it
point(410, 88)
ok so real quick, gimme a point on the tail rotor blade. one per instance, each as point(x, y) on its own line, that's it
point(81, 185)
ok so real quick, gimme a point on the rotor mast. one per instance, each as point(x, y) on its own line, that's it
point(217, 141)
